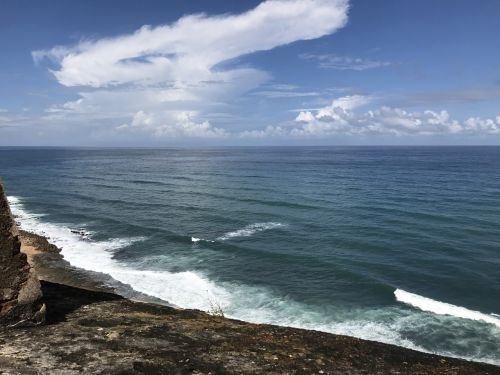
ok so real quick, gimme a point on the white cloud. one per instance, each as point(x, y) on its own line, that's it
point(305, 117)
point(188, 49)
point(346, 103)
point(276, 94)
point(281, 90)
point(183, 124)
point(340, 118)
point(283, 87)
point(3, 110)
point(177, 67)
point(330, 61)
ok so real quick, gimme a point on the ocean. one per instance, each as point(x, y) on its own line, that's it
point(394, 244)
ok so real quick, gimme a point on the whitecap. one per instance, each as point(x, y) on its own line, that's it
point(191, 289)
point(442, 308)
point(196, 240)
point(250, 230)
point(185, 289)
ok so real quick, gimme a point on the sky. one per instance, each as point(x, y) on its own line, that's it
point(276, 72)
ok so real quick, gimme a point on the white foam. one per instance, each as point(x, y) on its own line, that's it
point(193, 290)
point(250, 230)
point(185, 289)
point(13, 200)
point(442, 308)
point(195, 240)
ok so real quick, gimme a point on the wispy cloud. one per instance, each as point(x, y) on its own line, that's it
point(458, 96)
point(331, 61)
point(276, 94)
point(188, 49)
point(283, 86)
point(173, 72)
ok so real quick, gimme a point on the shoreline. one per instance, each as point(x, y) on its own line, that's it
point(102, 256)
point(228, 341)
point(51, 266)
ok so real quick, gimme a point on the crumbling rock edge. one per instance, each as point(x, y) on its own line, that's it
point(20, 291)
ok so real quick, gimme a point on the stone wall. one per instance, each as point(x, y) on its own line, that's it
point(20, 292)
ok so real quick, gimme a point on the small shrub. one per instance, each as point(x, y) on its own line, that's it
point(215, 308)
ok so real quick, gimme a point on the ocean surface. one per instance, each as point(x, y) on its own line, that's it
point(394, 244)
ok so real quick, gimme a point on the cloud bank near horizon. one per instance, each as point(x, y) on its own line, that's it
point(342, 118)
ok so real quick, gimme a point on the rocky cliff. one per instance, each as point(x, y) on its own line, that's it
point(20, 292)
point(100, 333)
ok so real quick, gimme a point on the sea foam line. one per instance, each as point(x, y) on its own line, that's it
point(247, 231)
point(250, 230)
point(442, 308)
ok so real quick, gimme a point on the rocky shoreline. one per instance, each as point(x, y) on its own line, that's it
point(102, 333)
point(91, 331)
point(21, 302)
point(84, 325)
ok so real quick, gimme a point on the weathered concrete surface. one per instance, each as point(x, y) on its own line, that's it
point(20, 293)
point(91, 332)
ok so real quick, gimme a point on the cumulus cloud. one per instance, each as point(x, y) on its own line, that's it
point(184, 124)
point(341, 118)
point(330, 61)
point(179, 67)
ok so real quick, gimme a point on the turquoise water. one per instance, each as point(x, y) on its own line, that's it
point(399, 245)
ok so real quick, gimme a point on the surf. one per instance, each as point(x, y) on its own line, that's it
point(443, 308)
point(192, 289)
point(250, 230)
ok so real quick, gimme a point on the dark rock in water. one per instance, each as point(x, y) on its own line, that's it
point(20, 292)
point(82, 233)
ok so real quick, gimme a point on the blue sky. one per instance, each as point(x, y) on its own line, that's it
point(157, 73)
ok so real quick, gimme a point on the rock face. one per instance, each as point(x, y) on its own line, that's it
point(20, 292)
point(100, 333)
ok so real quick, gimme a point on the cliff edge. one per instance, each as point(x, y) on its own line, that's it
point(101, 333)
point(20, 291)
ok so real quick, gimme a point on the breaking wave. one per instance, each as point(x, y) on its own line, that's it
point(247, 231)
point(196, 240)
point(392, 325)
point(442, 308)
point(250, 230)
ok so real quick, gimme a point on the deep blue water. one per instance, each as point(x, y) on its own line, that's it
point(319, 238)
